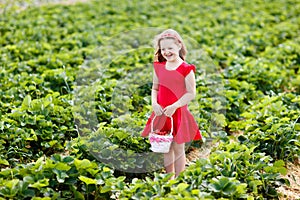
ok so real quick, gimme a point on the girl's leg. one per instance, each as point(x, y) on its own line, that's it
point(180, 160)
point(169, 160)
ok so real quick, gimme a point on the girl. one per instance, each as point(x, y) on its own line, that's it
point(173, 88)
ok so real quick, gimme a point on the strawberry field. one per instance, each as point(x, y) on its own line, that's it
point(75, 95)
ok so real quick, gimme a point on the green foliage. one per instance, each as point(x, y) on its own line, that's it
point(59, 177)
point(271, 124)
point(37, 127)
point(62, 72)
point(233, 171)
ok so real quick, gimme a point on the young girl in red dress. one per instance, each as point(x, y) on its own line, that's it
point(173, 88)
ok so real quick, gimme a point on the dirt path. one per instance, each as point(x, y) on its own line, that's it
point(196, 153)
point(293, 191)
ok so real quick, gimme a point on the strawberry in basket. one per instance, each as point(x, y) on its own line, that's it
point(158, 132)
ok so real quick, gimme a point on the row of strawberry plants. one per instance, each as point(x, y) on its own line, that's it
point(232, 171)
point(272, 124)
point(252, 68)
point(59, 177)
point(38, 127)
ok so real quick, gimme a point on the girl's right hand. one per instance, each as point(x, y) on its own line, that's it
point(157, 109)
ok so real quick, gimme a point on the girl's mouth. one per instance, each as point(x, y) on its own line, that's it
point(168, 55)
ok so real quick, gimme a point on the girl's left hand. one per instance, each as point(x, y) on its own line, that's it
point(170, 110)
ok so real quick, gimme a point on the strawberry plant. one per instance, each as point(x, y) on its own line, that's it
point(271, 125)
point(75, 94)
point(39, 126)
point(233, 171)
point(59, 177)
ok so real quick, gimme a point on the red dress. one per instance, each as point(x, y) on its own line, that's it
point(172, 87)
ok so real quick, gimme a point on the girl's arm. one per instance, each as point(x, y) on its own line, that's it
point(186, 98)
point(191, 91)
point(155, 106)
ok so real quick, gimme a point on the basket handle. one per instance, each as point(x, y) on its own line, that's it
point(153, 122)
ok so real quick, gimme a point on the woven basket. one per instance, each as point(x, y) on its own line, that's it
point(161, 140)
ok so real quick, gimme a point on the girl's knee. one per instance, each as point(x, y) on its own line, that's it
point(178, 148)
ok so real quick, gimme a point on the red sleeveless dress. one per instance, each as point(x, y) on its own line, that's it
point(172, 87)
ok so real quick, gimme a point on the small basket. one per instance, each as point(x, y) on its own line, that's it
point(161, 140)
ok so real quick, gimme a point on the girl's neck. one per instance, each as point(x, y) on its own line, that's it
point(174, 64)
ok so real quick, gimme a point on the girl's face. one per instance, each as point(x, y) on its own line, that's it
point(169, 49)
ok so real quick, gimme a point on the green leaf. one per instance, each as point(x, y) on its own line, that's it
point(10, 188)
point(82, 164)
point(4, 162)
point(26, 102)
point(106, 189)
point(41, 183)
point(87, 180)
point(60, 175)
point(77, 194)
point(68, 159)
point(181, 187)
point(280, 166)
point(29, 179)
point(219, 119)
point(41, 198)
point(241, 188)
point(120, 135)
point(279, 163)
point(297, 127)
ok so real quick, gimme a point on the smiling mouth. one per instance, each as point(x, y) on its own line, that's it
point(168, 55)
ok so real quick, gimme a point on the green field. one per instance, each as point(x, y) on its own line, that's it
point(75, 95)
